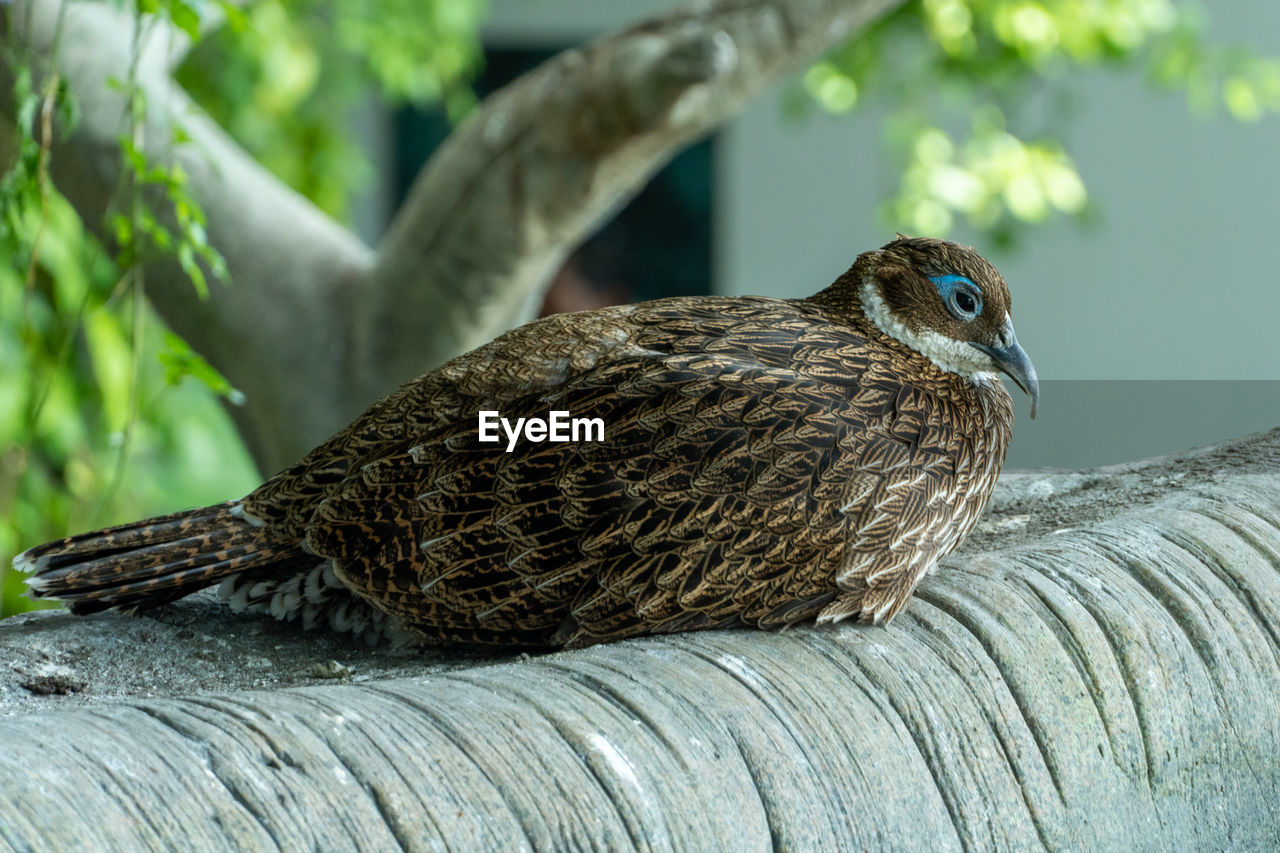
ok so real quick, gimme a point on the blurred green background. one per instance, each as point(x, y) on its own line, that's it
point(104, 415)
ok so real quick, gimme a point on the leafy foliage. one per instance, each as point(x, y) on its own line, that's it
point(964, 78)
point(106, 415)
point(94, 414)
point(141, 236)
point(286, 78)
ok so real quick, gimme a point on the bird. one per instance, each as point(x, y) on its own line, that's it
point(762, 462)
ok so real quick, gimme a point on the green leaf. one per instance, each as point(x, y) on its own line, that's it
point(67, 107)
point(181, 361)
point(185, 18)
point(187, 258)
point(134, 158)
point(28, 102)
point(121, 227)
point(237, 20)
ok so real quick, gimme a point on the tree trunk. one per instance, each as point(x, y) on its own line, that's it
point(1100, 668)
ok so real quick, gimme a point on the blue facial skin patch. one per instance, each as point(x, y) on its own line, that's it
point(947, 285)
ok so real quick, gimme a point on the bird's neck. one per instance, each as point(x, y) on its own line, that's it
point(842, 299)
point(856, 296)
point(848, 302)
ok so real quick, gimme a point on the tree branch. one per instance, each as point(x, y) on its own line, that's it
point(546, 160)
point(1079, 678)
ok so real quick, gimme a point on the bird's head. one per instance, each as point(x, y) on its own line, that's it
point(947, 303)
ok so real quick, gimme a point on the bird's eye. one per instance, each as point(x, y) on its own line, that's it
point(960, 295)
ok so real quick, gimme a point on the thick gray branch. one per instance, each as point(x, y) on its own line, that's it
point(545, 161)
point(1100, 670)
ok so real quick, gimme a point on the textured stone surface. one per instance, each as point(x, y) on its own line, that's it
point(1100, 667)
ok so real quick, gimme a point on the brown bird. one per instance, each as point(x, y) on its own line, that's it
point(762, 462)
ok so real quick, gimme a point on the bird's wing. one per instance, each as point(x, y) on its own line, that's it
point(529, 359)
point(702, 476)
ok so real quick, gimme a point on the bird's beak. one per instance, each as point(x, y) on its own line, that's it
point(1013, 361)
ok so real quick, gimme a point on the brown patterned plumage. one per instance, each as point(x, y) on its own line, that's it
point(764, 462)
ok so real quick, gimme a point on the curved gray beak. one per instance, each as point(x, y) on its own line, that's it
point(1013, 361)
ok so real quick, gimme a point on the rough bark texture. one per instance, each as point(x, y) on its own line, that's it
point(1099, 669)
point(316, 325)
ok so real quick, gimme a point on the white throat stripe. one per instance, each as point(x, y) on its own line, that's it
point(947, 353)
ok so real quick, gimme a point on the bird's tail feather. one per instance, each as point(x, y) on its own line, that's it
point(151, 562)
